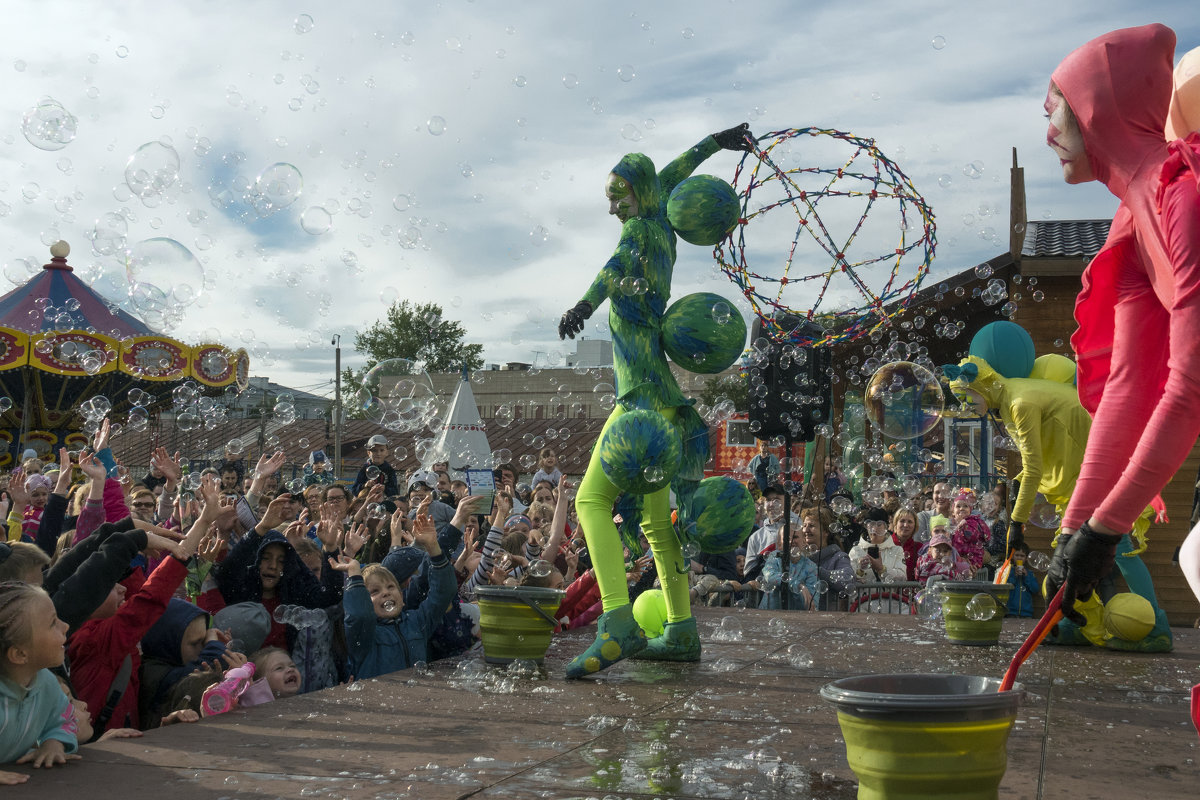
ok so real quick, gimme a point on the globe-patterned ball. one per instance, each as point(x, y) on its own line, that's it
point(703, 209)
point(640, 452)
point(703, 333)
point(722, 515)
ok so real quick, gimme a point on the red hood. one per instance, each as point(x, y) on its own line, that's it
point(1121, 111)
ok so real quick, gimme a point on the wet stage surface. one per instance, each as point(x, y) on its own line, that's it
point(746, 722)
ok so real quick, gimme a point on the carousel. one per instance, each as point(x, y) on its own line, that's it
point(63, 345)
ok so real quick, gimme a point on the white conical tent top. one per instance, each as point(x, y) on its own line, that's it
point(462, 441)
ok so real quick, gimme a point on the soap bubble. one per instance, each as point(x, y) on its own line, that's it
point(316, 220)
point(108, 234)
point(389, 606)
point(373, 472)
point(799, 656)
point(152, 169)
point(939, 42)
point(397, 394)
point(436, 125)
point(903, 400)
point(626, 72)
point(285, 413)
point(981, 607)
point(276, 187)
point(303, 24)
point(6, 404)
point(235, 447)
point(1044, 514)
point(163, 276)
point(49, 126)
point(1037, 560)
point(540, 568)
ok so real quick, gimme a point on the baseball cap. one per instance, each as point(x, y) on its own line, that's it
point(423, 476)
point(378, 440)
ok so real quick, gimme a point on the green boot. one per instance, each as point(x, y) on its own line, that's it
point(619, 637)
point(680, 641)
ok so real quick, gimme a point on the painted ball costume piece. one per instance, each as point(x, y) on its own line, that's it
point(636, 281)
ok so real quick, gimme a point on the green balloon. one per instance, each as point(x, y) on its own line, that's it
point(703, 209)
point(650, 611)
point(703, 333)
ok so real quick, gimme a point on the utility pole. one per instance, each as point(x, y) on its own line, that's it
point(337, 406)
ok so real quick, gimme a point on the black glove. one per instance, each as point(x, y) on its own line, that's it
point(1079, 562)
point(1016, 536)
point(738, 138)
point(572, 321)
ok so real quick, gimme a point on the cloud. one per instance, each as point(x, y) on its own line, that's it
point(505, 222)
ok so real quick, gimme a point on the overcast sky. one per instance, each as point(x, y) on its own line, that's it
point(456, 152)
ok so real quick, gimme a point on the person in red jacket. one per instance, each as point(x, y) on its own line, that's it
point(104, 651)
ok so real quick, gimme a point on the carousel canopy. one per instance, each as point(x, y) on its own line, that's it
point(62, 345)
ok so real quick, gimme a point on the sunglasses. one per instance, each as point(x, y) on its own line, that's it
point(144, 505)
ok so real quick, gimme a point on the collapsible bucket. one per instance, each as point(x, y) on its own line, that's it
point(914, 737)
point(961, 627)
point(516, 622)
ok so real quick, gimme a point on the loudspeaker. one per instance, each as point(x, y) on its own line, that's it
point(790, 391)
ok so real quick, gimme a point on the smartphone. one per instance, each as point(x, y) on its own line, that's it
point(873, 551)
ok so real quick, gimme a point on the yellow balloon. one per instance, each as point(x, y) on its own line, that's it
point(1054, 367)
point(1184, 114)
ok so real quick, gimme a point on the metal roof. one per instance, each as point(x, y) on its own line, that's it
point(1066, 238)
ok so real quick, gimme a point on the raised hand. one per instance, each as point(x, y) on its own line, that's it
point(346, 564)
point(101, 439)
point(91, 466)
point(64, 472)
point(352, 540)
point(572, 321)
point(16, 490)
point(168, 465)
point(269, 465)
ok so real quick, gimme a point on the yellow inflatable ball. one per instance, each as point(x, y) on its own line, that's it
point(1054, 367)
point(650, 611)
point(1129, 616)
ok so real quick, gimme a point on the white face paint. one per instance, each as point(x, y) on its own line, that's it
point(621, 202)
point(1066, 140)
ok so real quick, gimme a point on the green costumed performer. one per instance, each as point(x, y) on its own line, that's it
point(653, 433)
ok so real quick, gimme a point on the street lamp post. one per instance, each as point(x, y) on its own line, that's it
point(337, 405)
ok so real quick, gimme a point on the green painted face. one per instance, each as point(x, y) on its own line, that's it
point(621, 202)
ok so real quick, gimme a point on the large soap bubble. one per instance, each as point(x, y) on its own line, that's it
point(904, 400)
point(397, 394)
point(49, 126)
point(276, 187)
point(164, 277)
point(152, 169)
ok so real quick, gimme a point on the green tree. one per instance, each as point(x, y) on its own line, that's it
point(733, 387)
point(418, 332)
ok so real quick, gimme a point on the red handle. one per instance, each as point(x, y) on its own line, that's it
point(1039, 632)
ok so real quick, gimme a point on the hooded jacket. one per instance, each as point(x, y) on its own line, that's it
point(1119, 87)
point(162, 664)
point(30, 716)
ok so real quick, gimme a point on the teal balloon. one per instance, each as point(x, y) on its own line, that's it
point(1006, 347)
point(722, 515)
point(703, 333)
point(703, 209)
point(640, 452)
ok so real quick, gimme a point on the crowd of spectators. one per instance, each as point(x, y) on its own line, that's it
point(185, 594)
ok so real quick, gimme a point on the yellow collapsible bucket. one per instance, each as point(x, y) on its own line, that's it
point(915, 737)
point(960, 628)
point(516, 622)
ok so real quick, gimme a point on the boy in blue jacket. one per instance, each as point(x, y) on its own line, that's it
point(381, 635)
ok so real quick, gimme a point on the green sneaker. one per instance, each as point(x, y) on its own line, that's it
point(619, 637)
point(680, 641)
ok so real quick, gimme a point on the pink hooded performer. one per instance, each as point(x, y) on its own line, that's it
point(1138, 342)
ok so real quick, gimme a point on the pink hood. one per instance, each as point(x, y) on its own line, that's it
point(1119, 88)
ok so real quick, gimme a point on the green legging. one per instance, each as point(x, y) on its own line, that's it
point(594, 502)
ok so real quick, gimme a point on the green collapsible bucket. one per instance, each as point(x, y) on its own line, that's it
point(516, 622)
point(960, 628)
point(916, 737)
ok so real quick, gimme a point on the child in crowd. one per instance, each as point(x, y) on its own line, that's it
point(275, 667)
point(381, 635)
point(547, 467)
point(971, 534)
point(1025, 585)
point(941, 558)
point(38, 720)
point(801, 579)
point(179, 643)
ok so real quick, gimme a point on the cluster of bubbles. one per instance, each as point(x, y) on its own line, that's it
point(982, 607)
point(194, 410)
point(140, 401)
point(164, 279)
point(94, 410)
point(276, 187)
point(300, 617)
point(49, 126)
point(397, 394)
